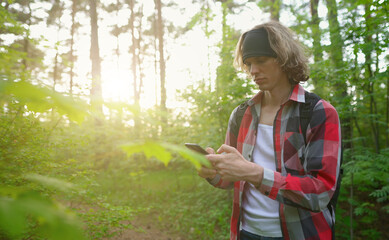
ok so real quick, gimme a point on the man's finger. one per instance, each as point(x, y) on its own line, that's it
point(226, 149)
point(207, 172)
point(210, 150)
point(214, 158)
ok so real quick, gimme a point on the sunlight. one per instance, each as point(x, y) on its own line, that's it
point(116, 84)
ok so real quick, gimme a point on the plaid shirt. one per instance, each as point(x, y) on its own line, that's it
point(302, 187)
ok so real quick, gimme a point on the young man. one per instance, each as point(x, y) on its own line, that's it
point(283, 176)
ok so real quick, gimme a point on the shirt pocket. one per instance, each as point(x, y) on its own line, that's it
point(293, 153)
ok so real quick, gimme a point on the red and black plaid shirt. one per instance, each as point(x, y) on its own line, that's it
point(302, 187)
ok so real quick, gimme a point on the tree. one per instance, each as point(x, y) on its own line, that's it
point(273, 7)
point(162, 63)
point(54, 18)
point(135, 26)
point(31, 61)
point(316, 32)
point(96, 91)
point(76, 6)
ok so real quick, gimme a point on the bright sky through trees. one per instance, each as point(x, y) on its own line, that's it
point(187, 62)
point(187, 54)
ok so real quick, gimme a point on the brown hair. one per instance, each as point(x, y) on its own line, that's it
point(290, 52)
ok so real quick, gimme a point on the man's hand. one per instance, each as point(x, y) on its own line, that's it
point(205, 172)
point(232, 166)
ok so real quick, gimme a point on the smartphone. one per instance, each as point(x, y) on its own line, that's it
point(196, 147)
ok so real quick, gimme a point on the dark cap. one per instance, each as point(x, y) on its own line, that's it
point(256, 44)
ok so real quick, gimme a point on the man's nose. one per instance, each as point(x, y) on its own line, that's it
point(254, 69)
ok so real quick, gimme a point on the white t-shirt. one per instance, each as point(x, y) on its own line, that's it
point(260, 214)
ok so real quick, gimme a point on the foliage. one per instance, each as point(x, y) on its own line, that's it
point(56, 154)
point(31, 213)
point(159, 150)
point(41, 99)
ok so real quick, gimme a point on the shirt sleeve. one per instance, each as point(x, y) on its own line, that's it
point(313, 190)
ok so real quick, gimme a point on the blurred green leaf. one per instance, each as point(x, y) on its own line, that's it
point(150, 149)
point(52, 221)
point(195, 158)
point(159, 151)
point(41, 99)
point(50, 182)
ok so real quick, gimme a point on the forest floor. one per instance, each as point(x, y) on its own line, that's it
point(146, 227)
point(164, 204)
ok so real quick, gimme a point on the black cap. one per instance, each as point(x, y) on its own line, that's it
point(256, 44)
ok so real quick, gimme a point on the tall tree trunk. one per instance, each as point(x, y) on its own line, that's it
point(139, 60)
point(335, 37)
point(275, 6)
point(316, 33)
point(55, 70)
point(133, 52)
point(351, 207)
point(387, 113)
point(224, 41)
point(135, 63)
point(369, 75)
point(336, 56)
point(316, 36)
point(206, 8)
point(117, 50)
point(162, 64)
point(155, 56)
point(71, 53)
point(26, 41)
point(96, 91)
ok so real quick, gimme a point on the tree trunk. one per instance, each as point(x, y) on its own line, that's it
point(26, 41)
point(335, 37)
point(155, 57)
point(71, 53)
point(316, 33)
point(351, 208)
point(387, 112)
point(275, 6)
point(369, 75)
point(316, 37)
point(139, 60)
point(222, 74)
point(162, 64)
point(55, 70)
point(117, 50)
point(135, 64)
point(336, 56)
point(96, 91)
point(133, 53)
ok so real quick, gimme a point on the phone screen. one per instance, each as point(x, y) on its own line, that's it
point(196, 147)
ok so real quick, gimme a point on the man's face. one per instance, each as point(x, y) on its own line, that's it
point(267, 73)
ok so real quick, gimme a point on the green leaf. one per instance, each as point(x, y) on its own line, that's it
point(50, 182)
point(52, 222)
point(159, 151)
point(41, 99)
point(150, 149)
point(195, 158)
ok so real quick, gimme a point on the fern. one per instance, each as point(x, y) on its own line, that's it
point(382, 195)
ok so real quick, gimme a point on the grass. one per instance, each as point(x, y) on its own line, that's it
point(175, 198)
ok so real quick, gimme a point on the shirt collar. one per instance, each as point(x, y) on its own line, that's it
point(297, 94)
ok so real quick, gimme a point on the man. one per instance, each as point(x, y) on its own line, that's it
point(283, 178)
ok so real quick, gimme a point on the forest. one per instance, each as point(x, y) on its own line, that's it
point(98, 97)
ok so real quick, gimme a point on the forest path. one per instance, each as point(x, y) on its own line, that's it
point(147, 227)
